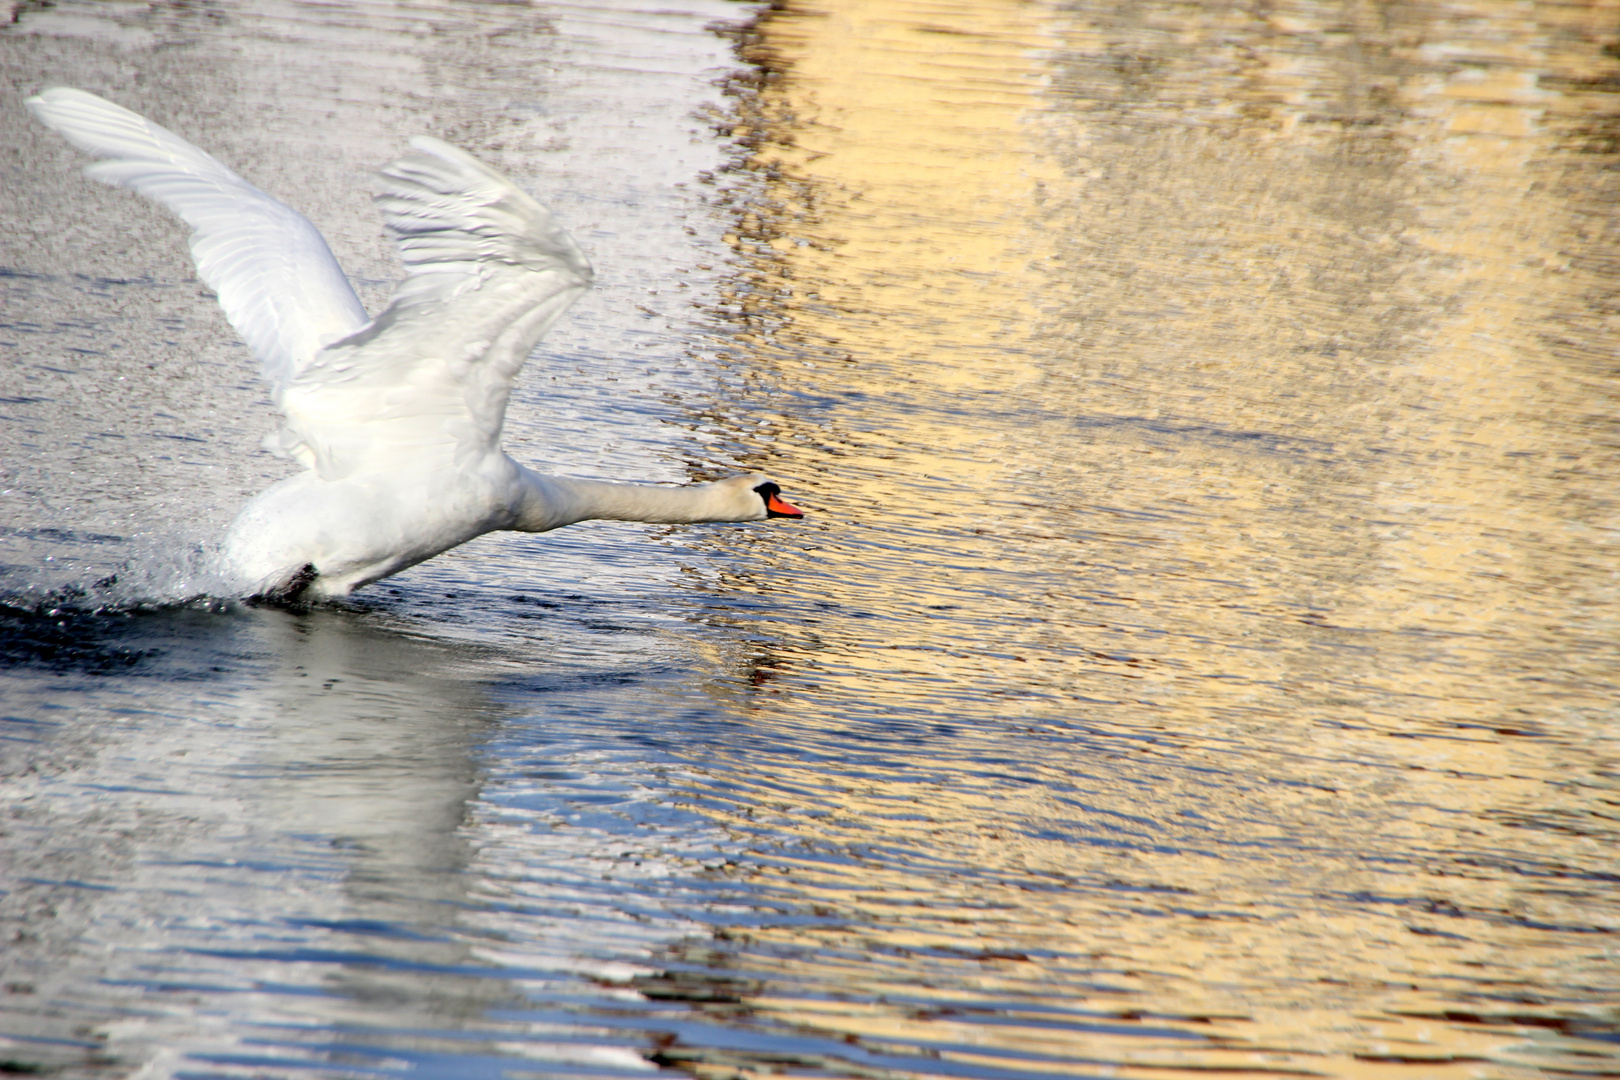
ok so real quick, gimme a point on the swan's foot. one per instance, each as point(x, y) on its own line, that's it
point(288, 588)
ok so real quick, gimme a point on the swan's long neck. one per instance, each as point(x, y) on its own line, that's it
point(550, 502)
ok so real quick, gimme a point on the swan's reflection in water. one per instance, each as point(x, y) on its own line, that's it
point(319, 838)
point(370, 747)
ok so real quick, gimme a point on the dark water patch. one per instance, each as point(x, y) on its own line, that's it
point(60, 642)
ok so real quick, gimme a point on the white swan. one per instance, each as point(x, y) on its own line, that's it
point(396, 419)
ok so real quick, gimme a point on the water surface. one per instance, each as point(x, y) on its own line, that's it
point(1200, 656)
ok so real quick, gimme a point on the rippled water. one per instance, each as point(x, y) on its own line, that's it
point(1201, 654)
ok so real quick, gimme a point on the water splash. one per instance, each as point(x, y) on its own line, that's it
point(70, 571)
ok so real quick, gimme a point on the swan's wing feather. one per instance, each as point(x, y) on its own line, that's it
point(278, 282)
point(425, 377)
point(488, 271)
point(457, 221)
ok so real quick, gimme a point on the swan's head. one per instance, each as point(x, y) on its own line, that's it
point(754, 497)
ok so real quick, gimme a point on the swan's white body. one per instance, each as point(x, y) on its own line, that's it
point(396, 419)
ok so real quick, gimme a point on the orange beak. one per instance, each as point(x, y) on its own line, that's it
point(775, 507)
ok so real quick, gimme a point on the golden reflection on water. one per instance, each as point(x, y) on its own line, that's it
point(1208, 650)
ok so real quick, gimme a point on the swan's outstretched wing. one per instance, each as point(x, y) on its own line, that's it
point(275, 277)
point(488, 271)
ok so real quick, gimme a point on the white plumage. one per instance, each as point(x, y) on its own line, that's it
point(396, 419)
